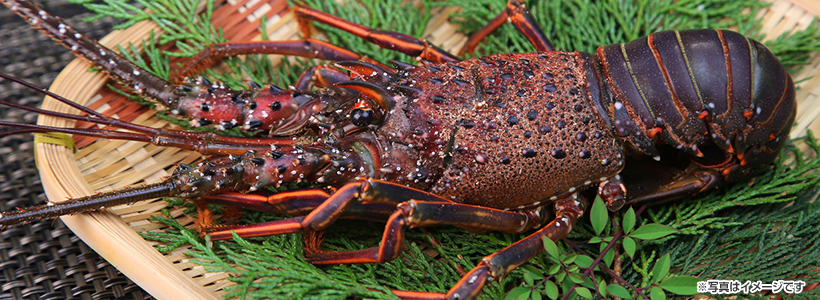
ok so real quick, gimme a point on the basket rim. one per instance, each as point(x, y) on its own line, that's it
point(106, 232)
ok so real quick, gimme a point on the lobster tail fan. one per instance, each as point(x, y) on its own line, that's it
point(86, 204)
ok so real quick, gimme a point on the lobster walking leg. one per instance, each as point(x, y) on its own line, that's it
point(386, 39)
point(367, 191)
point(308, 48)
point(688, 183)
point(424, 213)
point(296, 202)
point(499, 264)
point(311, 48)
point(517, 14)
point(322, 76)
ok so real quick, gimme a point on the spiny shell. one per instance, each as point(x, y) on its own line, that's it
point(501, 131)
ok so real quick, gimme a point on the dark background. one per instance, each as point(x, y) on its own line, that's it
point(43, 260)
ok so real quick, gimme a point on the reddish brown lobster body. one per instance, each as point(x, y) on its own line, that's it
point(527, 117)
point(482, 144)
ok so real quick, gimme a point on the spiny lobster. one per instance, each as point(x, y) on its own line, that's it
point(483, 144)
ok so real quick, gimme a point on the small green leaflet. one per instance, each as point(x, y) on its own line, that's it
point(681, 285)
point(598, 215)
point(652, 231)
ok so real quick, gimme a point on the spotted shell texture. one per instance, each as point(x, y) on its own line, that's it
point(503, 131)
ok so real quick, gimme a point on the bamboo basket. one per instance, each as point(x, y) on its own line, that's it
point(109, 164)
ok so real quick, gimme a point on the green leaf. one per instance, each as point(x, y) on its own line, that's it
point(532, 270)
point(661, 268)
point(535, 296)
point(575, 277)
point(609, 257)
point(629, 246)
point(594, 240)
point(567, 285)
point(629, 220)
point(618, 291)
point(652, 231)
point(518, 293)
point(602, 288)
point(681, 285)
point(583, 292)
point(588, 283)
point(598, 215)
point(570, 258)
point(551, 247)
point(551, 289)
point(584, 261)
point(656, 293)
point(528, 278)
point(554, 269)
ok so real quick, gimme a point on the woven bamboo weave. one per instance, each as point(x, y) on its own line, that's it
point(106, 164)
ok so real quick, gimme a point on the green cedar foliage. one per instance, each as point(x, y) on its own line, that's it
point(763, 229)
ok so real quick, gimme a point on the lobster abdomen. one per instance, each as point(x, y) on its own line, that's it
point(700, 88)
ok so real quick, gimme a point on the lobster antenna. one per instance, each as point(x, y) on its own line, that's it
point(103, 121)
point(95, 117)
point(86, 204)
point(53, 95)
point(112, 63)
point(174, 138)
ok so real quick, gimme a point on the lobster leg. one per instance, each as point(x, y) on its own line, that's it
point(499, 264)
point(690, 183)
point(517, 14)
point(367, 191)
point(613, 192)
point(309, 48)
point(322, 76)
point(415, 213)
point(422, 213)
point(403, 43)
point(298, 202)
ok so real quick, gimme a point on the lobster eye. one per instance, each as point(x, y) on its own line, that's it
point(362, 117)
